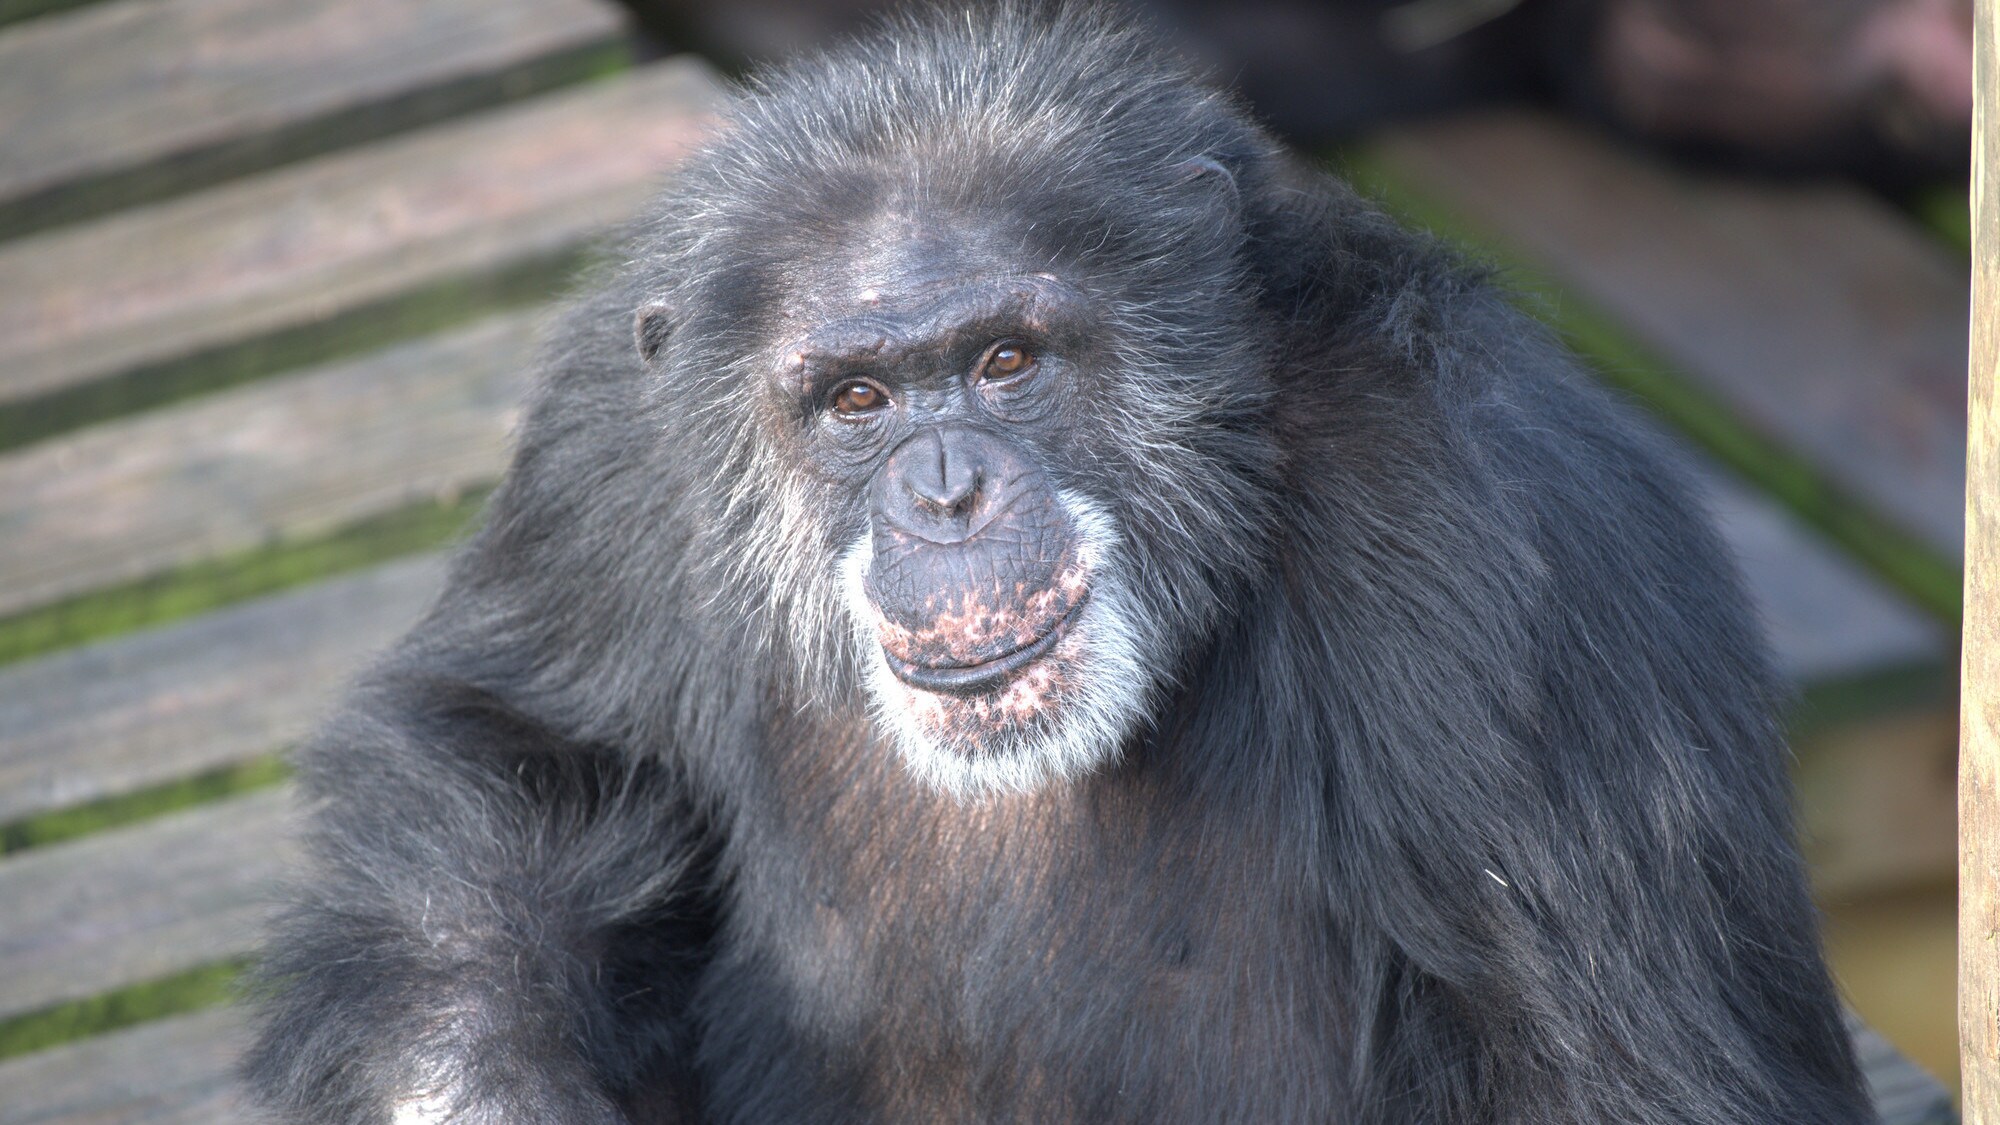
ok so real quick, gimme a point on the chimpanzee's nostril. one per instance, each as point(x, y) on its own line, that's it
point(952, 485)
point(945, 496)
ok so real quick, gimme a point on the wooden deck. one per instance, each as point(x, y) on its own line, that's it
point(268, 274)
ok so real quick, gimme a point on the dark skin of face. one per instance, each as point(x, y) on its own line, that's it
point(938, 403)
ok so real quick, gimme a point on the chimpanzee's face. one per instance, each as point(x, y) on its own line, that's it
point(987, 457)
point(943, 401)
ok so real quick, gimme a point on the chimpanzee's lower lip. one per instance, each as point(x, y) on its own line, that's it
point(978, 679)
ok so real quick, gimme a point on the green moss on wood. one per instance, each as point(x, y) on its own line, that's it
point(191, 991)
point(1834, 703)
point(14, 11)
point(124, 809)
point(404, 316)
point(1946, 211)
point(210, 584)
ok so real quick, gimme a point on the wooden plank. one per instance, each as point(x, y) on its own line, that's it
point(172, 1072)
point(146, 709)
point(118, 102)
point(1979, 675)
point(293, 456)
point(193, 887)
point(329, 446)
point(318, 242)
point(1875, 792)
point(123, 907)
point(1876, 795)
point(177, 1072)
point(1831, 325)
point(1826, 618)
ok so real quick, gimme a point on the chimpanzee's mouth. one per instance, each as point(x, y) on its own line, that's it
point(985, 676)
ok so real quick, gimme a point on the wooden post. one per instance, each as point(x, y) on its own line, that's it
point(1979, 716)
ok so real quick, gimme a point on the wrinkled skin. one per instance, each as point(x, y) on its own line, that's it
point(974, 561)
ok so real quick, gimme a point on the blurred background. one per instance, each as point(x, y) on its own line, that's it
point(268, 269)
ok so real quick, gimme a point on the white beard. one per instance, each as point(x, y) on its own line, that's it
point(1066, 714)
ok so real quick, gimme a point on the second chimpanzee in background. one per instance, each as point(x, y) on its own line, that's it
point(1062, 613)
point(1880, 89)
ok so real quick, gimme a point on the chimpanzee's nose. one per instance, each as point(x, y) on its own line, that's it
point(941, 483)
point(946, 482)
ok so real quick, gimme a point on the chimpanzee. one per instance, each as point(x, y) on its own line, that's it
point(1880, 89)
point(1021, 601)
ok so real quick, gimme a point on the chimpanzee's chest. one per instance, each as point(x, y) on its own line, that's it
point(1085, 955)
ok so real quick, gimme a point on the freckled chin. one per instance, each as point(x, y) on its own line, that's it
point(980, 648)
point(1028, 692)
point(1054, 709)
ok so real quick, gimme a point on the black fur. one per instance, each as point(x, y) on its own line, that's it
point(1460, 799)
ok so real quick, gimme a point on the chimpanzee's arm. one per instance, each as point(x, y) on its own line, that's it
point(497, 925)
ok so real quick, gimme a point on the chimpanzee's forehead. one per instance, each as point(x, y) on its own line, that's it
point(900, 257)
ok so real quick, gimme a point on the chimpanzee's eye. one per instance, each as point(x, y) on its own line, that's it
point(859, 396)
point(1005, 360)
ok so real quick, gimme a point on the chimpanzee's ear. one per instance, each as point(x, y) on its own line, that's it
point(1208, 169)
point(651, 326)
